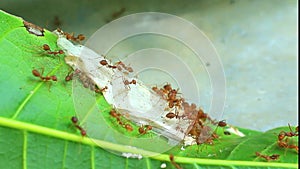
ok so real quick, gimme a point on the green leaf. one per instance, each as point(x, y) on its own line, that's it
point(36, 131)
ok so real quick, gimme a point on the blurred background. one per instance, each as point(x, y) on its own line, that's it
point(256, 40)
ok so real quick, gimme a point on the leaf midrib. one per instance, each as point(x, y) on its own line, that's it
point(162, 157)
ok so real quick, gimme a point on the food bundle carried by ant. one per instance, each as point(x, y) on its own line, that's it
point(283, 139)
point(164, 109)
point(86, 81)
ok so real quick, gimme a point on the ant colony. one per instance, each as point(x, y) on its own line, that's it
point(162, 110)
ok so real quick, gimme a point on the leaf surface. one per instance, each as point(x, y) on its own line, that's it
point(36, 131)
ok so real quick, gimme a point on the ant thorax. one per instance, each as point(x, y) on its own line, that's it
point(143, 105)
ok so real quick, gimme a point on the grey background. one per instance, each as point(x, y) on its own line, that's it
point(256, 40)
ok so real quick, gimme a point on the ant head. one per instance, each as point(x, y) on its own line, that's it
point(74, 119)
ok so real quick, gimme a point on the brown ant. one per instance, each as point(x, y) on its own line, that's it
point(173, 162)
point(268, 158)
point(74, 120)
point(36, 73)
point(47, 48)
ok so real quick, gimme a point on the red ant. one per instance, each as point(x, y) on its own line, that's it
point(116, 14)
point(71, 36)
point(286, 145)
point(291, 133)
point(129, 69)
point(103, 62)
point(159, 92)
point(69, 77)
point(47, 48)
point(126, 82)
point(171, 115)
point(97, 90)
point(168, 87)
point(128, 127)
point(112, 66)
point(116, 115)
point(222, 123)
point(268, 158)
point(75, 122)
point(36, 73)
point(56, 21)
point(121, 65)
point(198, 130)
point(144, 129)
point(173, 162)
point(169, 95)
point(283, 138)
